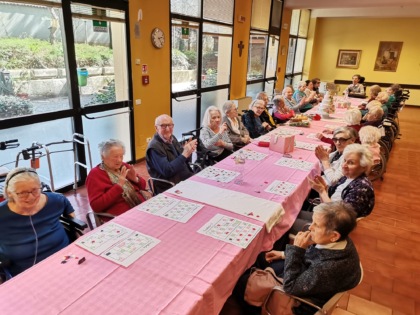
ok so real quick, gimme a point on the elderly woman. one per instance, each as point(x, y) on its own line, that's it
point(265, 115)
point(252, 120)
point(238, 134)
point(356, 87)
point(374, 90)
point(369, 137)
point(30, 229)
point(354, 187)
point(304, 102)
point(281, 112)
point(214, 135)
point(331, 162)
point(321, 262)
point(352, 118)
point(373, 117)
point(383, 98)
point(113, 186)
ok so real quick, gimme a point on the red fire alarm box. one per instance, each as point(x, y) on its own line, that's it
point(145, 79)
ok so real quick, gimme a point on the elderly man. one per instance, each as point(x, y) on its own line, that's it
point(165, 157)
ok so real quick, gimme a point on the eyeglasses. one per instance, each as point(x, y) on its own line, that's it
point(25, 194)
point(165, 126)
point(340, 140)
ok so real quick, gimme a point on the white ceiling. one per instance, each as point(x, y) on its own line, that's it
point(358, 8)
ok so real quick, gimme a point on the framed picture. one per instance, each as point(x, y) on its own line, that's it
point(348, 58)
point(388, 56)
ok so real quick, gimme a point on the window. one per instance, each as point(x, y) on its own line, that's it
point(64, 74)
point(201, 58)
point(263, 45)
point(297, 46)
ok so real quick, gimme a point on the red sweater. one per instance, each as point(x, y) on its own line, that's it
point(107, 197)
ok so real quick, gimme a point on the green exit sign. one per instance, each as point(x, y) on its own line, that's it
point(100, 26)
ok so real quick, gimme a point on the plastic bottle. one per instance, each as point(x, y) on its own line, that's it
point(239, 167)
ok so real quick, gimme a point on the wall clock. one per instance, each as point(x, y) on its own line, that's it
point(158, 37)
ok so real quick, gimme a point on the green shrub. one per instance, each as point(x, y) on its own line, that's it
point(12, 106)
point(31, 53)
point(179, 60)
point(105, 97)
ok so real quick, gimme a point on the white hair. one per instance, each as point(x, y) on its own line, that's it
point(353, 117)
point(207, 115)
point(369, 135)
point(105, 146)
point(19, 174)
point(365, 155)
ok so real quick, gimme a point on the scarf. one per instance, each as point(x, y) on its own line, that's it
point(129, 193)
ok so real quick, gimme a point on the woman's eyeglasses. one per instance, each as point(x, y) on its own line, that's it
point(25, 194)
point(340, 140)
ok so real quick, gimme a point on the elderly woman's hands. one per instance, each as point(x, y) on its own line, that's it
point(223, 128)
point(126, 173)
point(274, 255)
point(322, 154)
point(303, 240)
point(318, 184)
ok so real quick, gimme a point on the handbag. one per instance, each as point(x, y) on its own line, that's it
point(259, 285)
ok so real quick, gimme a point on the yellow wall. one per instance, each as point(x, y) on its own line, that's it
point(283, 49)
point(155, 97)
point(240, 64)
point(332, 34)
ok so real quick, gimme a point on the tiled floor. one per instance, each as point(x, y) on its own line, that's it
point(388, 240)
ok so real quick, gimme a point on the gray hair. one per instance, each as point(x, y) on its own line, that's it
point(105, 146)
point(256, 102)
point(159, 118)
point(376, 111)
point(227, 106)
point(337, 216)
point(369, 135)
point(207, 115)
point(364, 154)
point(277, 100)
point(375, 89)
point(348, 132)
point(285, 88)
point(353, 117)
point(301, 83)
point(19, 174)
point(382, 97)
point(261, 95)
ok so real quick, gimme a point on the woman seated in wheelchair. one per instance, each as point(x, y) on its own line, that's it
point(214, 135)
point(321, 262)
point(30, 229)
point(113, 186)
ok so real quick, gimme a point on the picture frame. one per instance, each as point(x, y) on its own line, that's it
point(388, 56)
point(348, 58)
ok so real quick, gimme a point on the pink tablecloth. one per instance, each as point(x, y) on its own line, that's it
point(186, 273)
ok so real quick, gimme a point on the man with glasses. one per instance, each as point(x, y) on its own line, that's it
point(165, 157)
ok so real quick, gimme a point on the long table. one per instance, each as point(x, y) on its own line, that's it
point(186, 273)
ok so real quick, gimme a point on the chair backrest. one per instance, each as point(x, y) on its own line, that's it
point(73, 227)
point(163, 185)
point(279, 303)
point(95, 219)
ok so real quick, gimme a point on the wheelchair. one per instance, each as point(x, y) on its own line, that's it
point(204, 157)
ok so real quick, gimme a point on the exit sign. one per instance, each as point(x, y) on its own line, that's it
point(100, 26)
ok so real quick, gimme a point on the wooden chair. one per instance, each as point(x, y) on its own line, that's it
point(276, 303)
